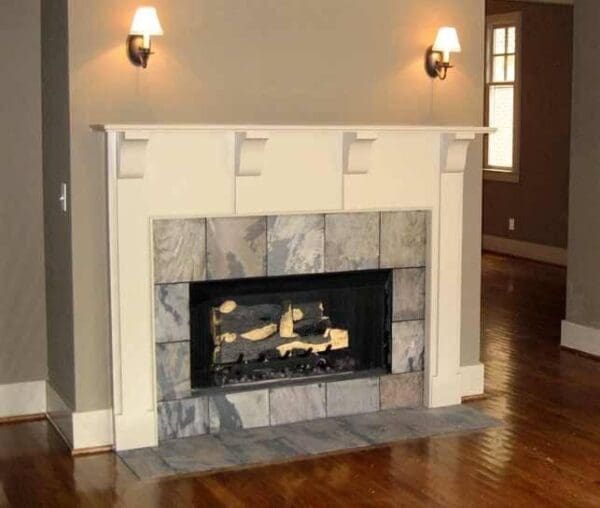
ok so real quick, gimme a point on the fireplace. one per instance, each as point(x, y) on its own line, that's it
point(200, 204)
point(276, 328)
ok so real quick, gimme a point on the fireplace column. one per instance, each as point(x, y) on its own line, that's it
point(443, 384)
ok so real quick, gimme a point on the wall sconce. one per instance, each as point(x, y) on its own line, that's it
point(145, 24)
point(437, 58)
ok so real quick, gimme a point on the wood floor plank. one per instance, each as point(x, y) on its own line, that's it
point(547, 454)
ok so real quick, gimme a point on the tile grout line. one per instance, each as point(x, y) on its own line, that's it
point(205, 248)
point(325, 243)
point(266, 259)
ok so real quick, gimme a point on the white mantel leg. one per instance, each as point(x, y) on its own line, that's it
point(133, 360)
point(444, 356)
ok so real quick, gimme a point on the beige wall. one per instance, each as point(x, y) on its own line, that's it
point(22, 299)
point(583, 275)
point(279, 61)
point(55, 104)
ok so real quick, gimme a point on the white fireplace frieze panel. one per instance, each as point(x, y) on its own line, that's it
point(162, 171)
point(301, 172)
point(190, 173)
point(404, 169)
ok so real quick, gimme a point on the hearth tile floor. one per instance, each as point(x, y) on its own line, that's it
point(281, 443)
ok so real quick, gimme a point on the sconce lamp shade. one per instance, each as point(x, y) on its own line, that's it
point(145, 22)
point(447, 40)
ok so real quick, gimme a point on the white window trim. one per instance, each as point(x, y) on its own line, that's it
point(499, 174)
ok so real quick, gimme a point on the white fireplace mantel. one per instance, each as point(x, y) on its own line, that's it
point(158, 171)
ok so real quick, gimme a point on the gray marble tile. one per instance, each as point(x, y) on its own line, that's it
point(354, 396)
point(408, 346)
point(182, 418)
point(146, 463)
point(379, 427)
point(401, 390)
point(409, 294)
point(403, 239)
point(171, 312)
point(258, 445)
point(179, 250)
point(236, 247)
point(172, 369)
point(351, 241)
point(263, 445)
point(295, 244)
point(430, 422)
point(297, 403)
point(240, 410)
point(200, 453)
point(322, 436)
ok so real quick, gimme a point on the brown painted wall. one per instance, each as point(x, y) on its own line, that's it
point(539, 202)
point(22, 299)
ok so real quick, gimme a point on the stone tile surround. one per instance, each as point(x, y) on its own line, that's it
point(279, 405)
point(179, 253)
point(236, 247)
point(352, 241)
point(295, 244)
point(187, 250)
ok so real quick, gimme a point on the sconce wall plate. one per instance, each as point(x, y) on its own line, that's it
point(431, 60)
point(434, 65)
point(138, 55)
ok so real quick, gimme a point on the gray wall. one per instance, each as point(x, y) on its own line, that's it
point(280, 61)
point(22, 300)
point(55, 106)
point(471, 261)
point(583, 274)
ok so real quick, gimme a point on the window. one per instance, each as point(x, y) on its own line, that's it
point(501, 154)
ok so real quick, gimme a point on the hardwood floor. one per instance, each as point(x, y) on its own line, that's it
point(548, 454)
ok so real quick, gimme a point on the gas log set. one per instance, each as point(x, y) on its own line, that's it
point(299, 333)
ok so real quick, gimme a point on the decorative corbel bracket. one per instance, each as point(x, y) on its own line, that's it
point(454, 151)
point(357, 148)
point(250, 152)
point(132, 154)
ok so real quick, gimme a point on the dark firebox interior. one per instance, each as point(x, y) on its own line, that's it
point(359, 303)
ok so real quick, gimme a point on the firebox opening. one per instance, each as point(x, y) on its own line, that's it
point(280, 328)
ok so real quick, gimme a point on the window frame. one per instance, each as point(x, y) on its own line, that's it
point(494, 21)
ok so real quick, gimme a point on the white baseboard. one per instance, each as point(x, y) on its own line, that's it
point(92, 429)
point(580, 337)
point(88, 429)
point(528, 250)
point(59, 415)
point(80, 430)
point(444, 391)
point(22, 399)
point(472, 380)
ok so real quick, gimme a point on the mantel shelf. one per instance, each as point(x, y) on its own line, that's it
point(290, 128)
